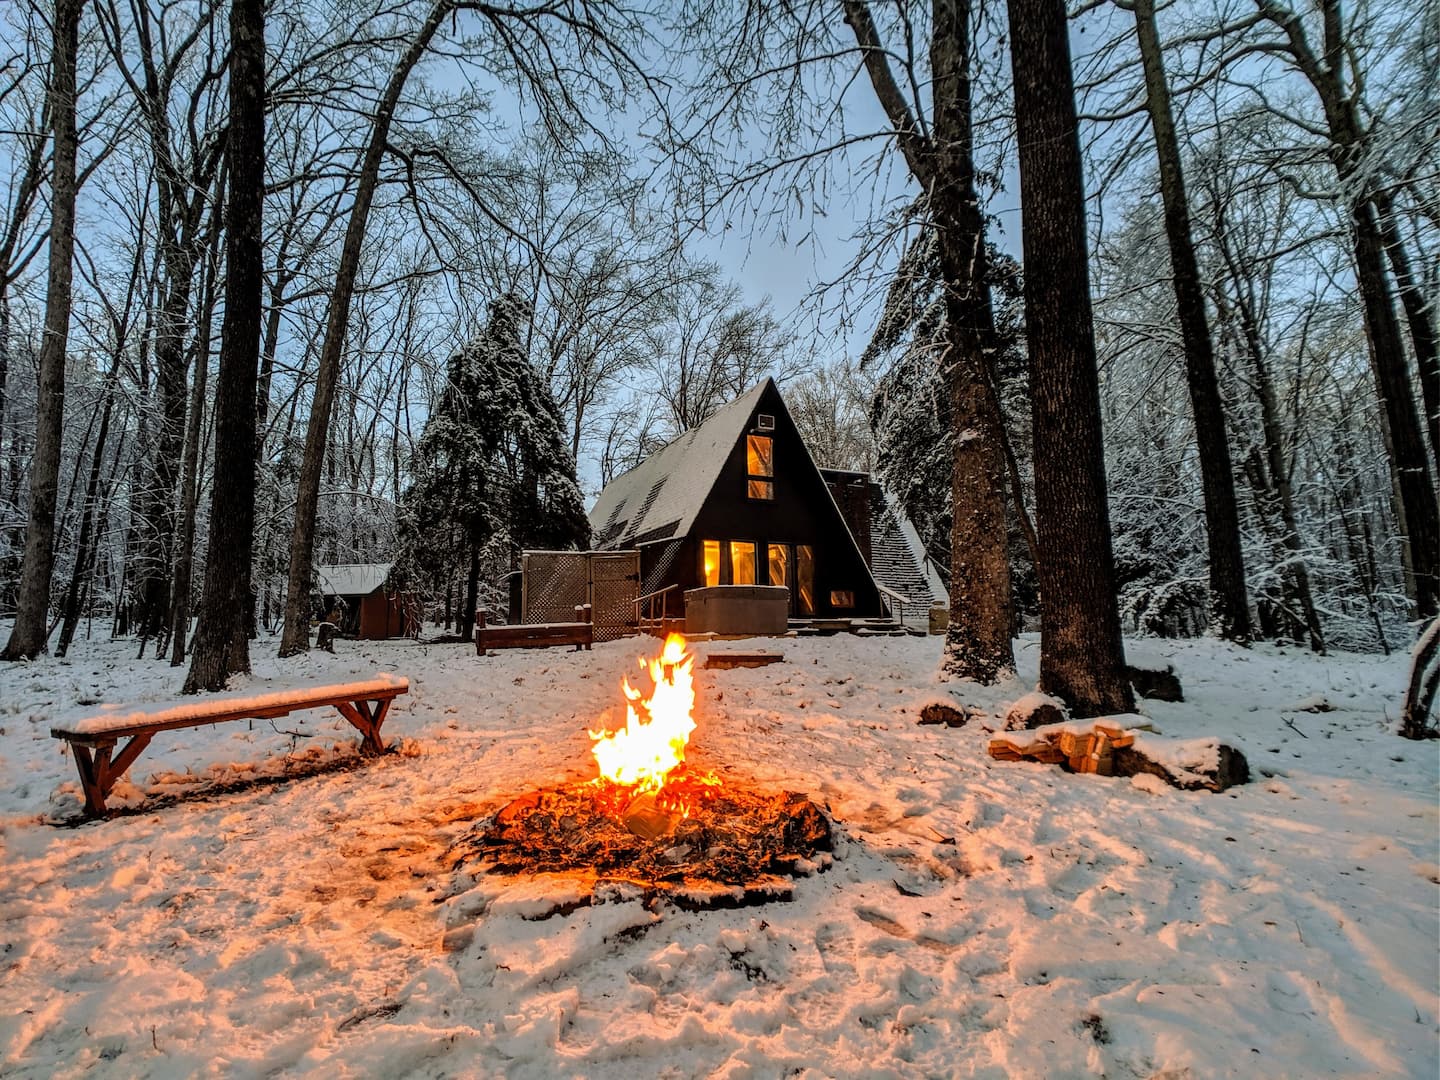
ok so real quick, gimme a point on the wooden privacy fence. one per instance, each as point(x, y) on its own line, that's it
point(555, 583)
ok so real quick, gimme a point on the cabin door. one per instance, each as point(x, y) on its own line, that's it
point(793, 565)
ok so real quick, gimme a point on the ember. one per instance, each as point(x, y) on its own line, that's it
point(736, 837)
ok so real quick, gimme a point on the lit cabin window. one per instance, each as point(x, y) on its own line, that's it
point(760, 466)
point(842, 598)
point(805, 579)
point(710, 554)
point(742, 562)
point(779, 560)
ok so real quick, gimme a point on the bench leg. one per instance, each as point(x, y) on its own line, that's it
point(98, 773)
point(366, 722)
point(91, 769)
point(381, 710)
point(126, 759)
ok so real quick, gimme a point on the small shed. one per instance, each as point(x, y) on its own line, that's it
point(366, 605)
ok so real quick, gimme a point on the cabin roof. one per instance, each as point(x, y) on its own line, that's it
point(661, 496)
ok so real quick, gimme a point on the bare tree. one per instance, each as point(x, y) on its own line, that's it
point(296, 637)
point(1332, 73)
point(940, 157)
point(222, 639)
point(22, 238)
point(30, 633)
point(1082, 658)
point(1229, 607)
point(706, 346)
point(522, 46)
point(162, 56)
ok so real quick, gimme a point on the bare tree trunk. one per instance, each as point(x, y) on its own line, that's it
point(190, 475)
point(977, 643)
point(194, 437)
point(222, 641)
point(465, 617)
point(157, 502)
point(4, 351)
point(1418, 707)
point(296, 636)
point(1229, 606)
point(1421, 320)
point(30, 633)
point(270, 342)
point(1082, 658)
point(85, 549)
point(1272, 484)
point(1417, 509)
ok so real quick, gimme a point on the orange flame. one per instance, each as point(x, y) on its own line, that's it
point(649, 750)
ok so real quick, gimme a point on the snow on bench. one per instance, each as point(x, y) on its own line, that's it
point(364, 704)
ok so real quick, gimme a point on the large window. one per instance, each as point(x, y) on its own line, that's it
point(805, 579)
point(760, 466)
point(710, 552)
point(742, 562)
point(779, 564)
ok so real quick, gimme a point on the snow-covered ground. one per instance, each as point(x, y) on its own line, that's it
point(979, 918)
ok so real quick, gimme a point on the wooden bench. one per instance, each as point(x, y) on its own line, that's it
point(580, 633)
point(93, 739)
point(731, 658)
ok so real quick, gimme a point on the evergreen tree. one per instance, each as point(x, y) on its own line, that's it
point(493, 473)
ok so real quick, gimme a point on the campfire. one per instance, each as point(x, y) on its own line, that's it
point(643, 779)
point(651, 819)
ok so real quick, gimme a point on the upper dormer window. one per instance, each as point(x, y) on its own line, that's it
point(760, 466)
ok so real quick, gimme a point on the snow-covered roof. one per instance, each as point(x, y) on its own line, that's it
point(352, 579)
point(910, 536)
point(660, 497)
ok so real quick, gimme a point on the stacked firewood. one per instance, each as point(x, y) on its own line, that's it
point(1089, 751)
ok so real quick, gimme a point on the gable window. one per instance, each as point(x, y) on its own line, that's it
point(760, 466)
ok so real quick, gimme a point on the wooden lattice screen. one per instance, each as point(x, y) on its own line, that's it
point(556, 581)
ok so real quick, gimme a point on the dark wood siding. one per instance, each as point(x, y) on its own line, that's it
point(802, 512)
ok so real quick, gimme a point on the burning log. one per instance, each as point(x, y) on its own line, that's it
point(735, 838)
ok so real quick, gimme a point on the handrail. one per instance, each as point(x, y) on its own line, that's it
point(897, 598)
point(892, 593)
point(648, 599)
point(657, 592)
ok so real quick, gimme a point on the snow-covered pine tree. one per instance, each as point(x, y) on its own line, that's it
point(492, 471)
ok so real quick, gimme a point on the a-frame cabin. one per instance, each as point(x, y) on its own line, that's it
point(738, 501)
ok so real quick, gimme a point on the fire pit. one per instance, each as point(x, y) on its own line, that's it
point(649, 820)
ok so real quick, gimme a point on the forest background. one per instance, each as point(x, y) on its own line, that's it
point(624, 201)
